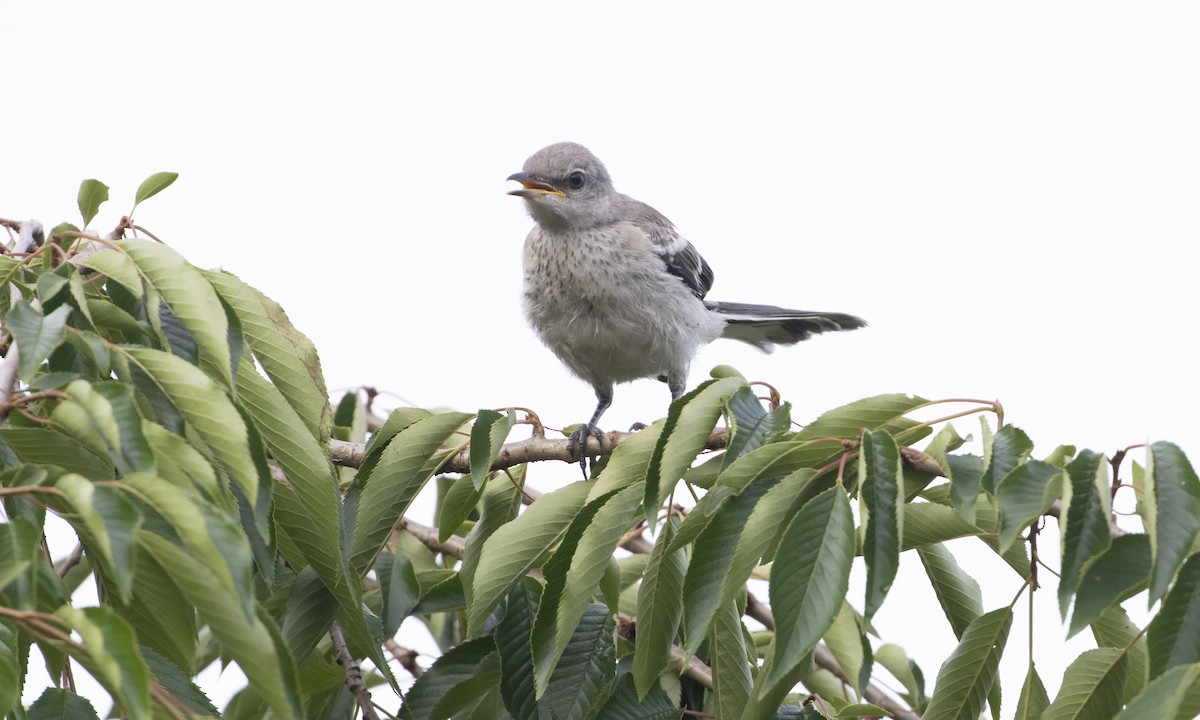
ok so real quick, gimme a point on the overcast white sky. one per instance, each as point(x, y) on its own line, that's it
point(1008, 193)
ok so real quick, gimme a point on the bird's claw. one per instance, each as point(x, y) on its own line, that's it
point(577, 444)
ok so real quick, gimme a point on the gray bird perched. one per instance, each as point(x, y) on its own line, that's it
point(618, 294)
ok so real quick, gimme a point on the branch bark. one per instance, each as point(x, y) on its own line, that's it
point(354, 678)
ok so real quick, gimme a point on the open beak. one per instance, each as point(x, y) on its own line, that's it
point(532, 188)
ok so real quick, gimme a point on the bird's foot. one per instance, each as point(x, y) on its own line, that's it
point(638, 426)
point(577, 444)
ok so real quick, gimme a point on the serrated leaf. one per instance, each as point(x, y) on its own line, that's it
point(258, 651)
point(108, 522)
point(517, 546)
point(712, 560)
point(399, 588)
point(286, 355)
point(110, 656)
point(1033, 700)
point(966, 482)
point(1085, 517)
point(957, 592)
point(58, 704)
point(454, 682)
point(404, 467)
point(751, 424)
point(1093, 686)
point(967, 676)
point(1171, 502)
point(584, 674)
point(1008, 447)
point(809, 581)
point(573, 578)
point(880, 491)
point(896, 661)
point(733, 680)
point(659, 610)
point(116, 266)
point(1116, 575)
point(178, 684)
point(1114, 629)
point(1174, 695)
point(846, 641)
point(38, 446)
point(191, 299)
point(36, 336)
point(92, 194)
point(488, 434)
point(689, 423)
point(498, 506)
point(1174, 634)
point(1024, 495)
point(624, 703)
point(153, 185)
point(460, 500)
point(11, 674)
point(516, 654)
point(206, 409)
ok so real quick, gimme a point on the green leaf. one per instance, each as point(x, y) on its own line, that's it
point(178, 684)
point(809, 581)
point(880, 491)
point(58, 704)
point(206, 409)
point(117, 266)
point(1009, 447)
point(574, 572)
point(1172, 512)
point(92, 194)
point(689, 423)
point(1174, 634)
point(497, 507)
point(460, 500)
point(516, 547)
point(11, 674)
point(847, 642)
point(153, 185)
point(38, 446)
point(458, 678)
point(516, 654)
point(1084, 518)
point(404, 467)
point(966, 482)
point(400, 590)
point(160, 614)
point(107, 521)
point(286, 355)
point(1174, 695)
point(1114, 629)
point(584, 674)
point(896, 661)
point(712, 558)
point(1093, 686)
point(625, 704)
point(258, 650)
point(957, 592)
point(1033, 700)
point(488, 434)
point(659, 610)
point(111, 656)
point(732, 677)
point(36, 336)
point(1116, 575)
point(752, 426)
point(967, 676)
point(1024, 495)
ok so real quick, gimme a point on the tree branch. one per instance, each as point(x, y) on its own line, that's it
point(354, 678)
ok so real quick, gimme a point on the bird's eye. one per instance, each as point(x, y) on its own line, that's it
point(576, 179)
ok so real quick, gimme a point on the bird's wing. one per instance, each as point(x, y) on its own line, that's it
point(681, 258)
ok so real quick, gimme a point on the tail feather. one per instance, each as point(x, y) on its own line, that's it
point(765, 326)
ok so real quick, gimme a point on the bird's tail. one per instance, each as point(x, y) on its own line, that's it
point(765, 326)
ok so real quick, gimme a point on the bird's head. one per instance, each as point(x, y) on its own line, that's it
point(565, 186)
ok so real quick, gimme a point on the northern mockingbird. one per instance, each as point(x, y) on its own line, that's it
point(618, 294)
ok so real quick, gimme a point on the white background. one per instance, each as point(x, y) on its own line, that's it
point(1007, 193)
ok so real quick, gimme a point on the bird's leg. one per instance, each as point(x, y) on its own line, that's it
point(676, 383)
point(578, 440)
